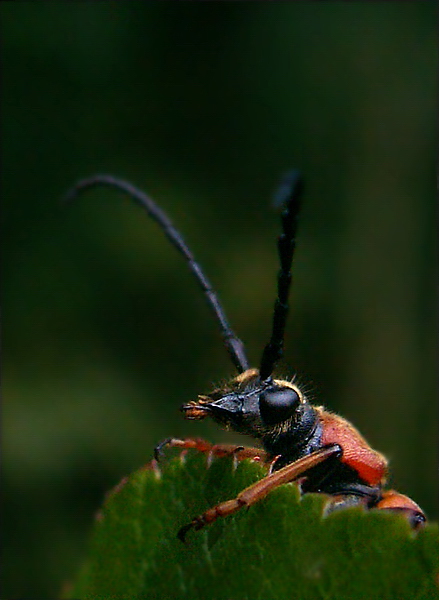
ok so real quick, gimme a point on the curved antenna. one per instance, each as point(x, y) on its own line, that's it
point(233, 344)
point(288, 195)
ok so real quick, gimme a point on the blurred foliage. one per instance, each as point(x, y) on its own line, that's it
point(294, 553)
point(203, 105)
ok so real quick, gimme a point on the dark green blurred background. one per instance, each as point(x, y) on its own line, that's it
point(203, 105)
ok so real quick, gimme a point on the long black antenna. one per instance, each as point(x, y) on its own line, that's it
point(288, 195)
point(233, 344)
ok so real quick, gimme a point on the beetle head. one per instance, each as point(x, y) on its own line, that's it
point(249, 405)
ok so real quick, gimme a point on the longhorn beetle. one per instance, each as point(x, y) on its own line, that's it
point(300, 442)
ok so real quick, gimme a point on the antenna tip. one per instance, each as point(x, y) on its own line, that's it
point(289, 187)
point(83, 184)
point(69, 196)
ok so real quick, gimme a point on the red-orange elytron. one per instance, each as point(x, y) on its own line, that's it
point(321, 451)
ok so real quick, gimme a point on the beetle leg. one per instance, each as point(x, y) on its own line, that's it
point(272, 463)
point(261, 488)
point(196, 443)
point(355, 494)
point(217, 450)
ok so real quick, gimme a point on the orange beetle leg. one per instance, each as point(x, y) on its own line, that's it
point(217, 450)
point(261, 488)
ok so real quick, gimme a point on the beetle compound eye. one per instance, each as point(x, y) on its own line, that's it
point(276, 405)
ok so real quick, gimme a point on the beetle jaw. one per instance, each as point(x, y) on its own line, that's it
point(197, 410)
point(225, 410)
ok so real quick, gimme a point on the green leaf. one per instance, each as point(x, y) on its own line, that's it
point(280, 548)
